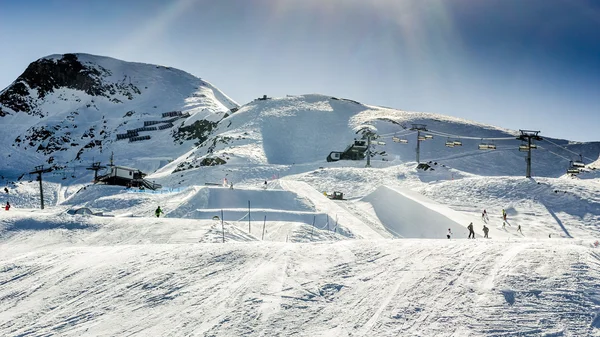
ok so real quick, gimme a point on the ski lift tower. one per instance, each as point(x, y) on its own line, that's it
point(369, 133)
point(419, 128)
point(95, 167)
point(39, 170)
point(528, 135)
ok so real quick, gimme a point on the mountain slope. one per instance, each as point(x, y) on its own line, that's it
point(305, 129)
point(68, 108)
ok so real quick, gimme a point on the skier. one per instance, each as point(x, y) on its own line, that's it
point(503, 214)
point(449, 233)
point(230, 186)
point(471, 231)
point(158, 212)
point(519, 229)
point(265, 185)
point(6, 190)
point(484, 215)
point(485, 231)
point(7, 207)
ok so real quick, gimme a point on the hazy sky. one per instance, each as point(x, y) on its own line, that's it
point(532, 64)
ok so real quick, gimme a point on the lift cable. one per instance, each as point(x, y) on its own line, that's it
point(566, 149)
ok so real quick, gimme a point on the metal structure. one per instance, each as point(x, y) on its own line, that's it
point(95, 167)
point(39, 170)
point(528, 136)
point(419, 128)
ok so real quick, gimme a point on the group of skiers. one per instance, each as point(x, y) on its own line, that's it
point(486, 230)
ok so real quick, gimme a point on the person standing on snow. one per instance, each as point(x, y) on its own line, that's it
point(7, 207)
point(158, 212)
point(449, 233)
point(471, 231)
point(519, 229)
point(265, 185)
point(485, 231)
point(503, 214)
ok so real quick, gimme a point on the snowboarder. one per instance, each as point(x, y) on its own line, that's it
point(519, 229)
point(471, 231)
point(485, 231)
point(158, 212)
point(7, 207)
point(449, 233)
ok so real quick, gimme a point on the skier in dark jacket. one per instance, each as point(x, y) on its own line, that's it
point(485, 231)
point(471, 231)
point(158, 212)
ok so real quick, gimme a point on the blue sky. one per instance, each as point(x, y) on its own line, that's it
point(531, 64)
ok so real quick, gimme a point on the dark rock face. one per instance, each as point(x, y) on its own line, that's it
point(46, 75)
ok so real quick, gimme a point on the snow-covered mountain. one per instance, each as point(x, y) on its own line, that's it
point(67, 109)
point(305, 129)
point(271, 255)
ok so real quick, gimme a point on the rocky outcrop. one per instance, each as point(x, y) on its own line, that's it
point(46, 75)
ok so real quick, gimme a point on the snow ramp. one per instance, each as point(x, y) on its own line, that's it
point(345, 219)
point(411, 215)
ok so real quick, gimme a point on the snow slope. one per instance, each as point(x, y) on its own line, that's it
point(352, 288)
point(296, 262)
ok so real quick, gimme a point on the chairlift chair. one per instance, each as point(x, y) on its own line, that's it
point(457, 142)
point(533, 146)
point(578, 163)
point(523, 148)
point(491, 146)
point(396, 139)
point(482, 145)
point(572, 170)
point(449, 143)
point(403, 141)
point(421, 138)
point(428, 136)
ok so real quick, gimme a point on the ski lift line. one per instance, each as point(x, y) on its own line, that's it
point(398, 133)
point(566, 149)
point(468, 137)
point(443, 134)
point(556, 154)
point(392, 135)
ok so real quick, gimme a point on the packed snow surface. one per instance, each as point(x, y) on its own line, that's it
point(256, 246)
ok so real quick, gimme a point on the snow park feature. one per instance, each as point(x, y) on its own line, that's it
point(251, 241)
